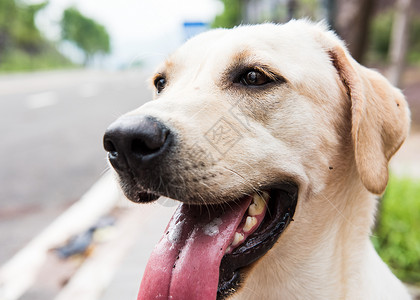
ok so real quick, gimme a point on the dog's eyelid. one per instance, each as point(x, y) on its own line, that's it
point(273, 75)
point(239, 73)
point(158, 76)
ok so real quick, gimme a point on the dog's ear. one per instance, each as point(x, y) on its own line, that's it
point(380, 118)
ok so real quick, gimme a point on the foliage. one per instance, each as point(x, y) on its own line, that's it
point(381, 37)
point(307, 9)
point(278, 13)
point(414, 40)
point(397, 236)
point(8, 11)
point(381, 34)
point(17, 26)
point(231, 16)
point(87, 34)
point(22, 47)
point(25, 33)
point(18, 60)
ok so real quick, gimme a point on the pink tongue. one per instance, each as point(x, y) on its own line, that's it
point(185, 263)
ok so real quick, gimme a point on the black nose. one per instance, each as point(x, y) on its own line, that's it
point(136, 141)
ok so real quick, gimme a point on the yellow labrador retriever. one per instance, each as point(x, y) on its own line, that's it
point(275, 141)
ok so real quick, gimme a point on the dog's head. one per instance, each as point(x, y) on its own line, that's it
point(248, 126)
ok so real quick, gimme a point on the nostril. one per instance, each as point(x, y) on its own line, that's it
point(139, 147)
point(110, 147)
point(149, 144)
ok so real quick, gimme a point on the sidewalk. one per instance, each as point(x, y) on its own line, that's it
point(116, 269)
point(111, 270)
point(126, 282)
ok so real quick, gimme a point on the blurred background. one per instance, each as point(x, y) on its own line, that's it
point(68, 68)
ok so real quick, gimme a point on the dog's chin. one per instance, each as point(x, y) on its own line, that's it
point(134, 191)
point(260, 219)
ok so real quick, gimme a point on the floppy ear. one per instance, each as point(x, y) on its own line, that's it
point(380, 118)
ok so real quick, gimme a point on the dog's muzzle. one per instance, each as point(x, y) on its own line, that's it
point(210, 245)
point(138, 147)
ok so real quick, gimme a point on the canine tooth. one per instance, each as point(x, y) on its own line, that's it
point(249, 223)
point(258, 203)
point(239, 237)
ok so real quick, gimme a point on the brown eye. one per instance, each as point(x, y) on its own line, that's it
point(254, 78)
point(160, 83)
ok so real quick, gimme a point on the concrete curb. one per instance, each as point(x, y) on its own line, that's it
point(19, 273)
point(95, 274)
point(121, 260)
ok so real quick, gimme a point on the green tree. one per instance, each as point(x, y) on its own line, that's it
point(8, 13)
point(22, 46)
point(25, 33)
point(231, 16)
point(17, 26)
point(91, 37)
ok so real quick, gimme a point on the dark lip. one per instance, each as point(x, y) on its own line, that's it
point(147, 196)
point(134, 191)
point(278, 217)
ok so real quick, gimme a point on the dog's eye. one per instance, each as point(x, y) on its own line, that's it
point(254, 77)
point(160, 83)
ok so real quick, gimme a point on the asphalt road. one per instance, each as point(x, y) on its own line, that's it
point(51, 128)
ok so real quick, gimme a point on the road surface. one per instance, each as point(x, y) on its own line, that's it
point(51, 127)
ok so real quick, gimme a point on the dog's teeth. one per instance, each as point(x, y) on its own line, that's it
point(258, 204)
point(249, 223)
point(239, 237)
point(228, 249)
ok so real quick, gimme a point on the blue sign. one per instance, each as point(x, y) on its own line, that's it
point(193, 28)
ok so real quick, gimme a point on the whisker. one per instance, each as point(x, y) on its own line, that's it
point(106, 170)
point(246, 181)
point(246, 287)
point(160, 183)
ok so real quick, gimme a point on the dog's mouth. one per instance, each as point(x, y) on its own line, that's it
point(206, 248)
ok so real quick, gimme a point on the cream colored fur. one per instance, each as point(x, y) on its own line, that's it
point(331, 127)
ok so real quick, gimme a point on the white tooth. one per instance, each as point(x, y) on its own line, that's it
point(228, 249)
point(249, 223)
point(258, 204)
point(239, 237)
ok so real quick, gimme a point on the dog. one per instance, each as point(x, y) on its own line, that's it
point(276, 142)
